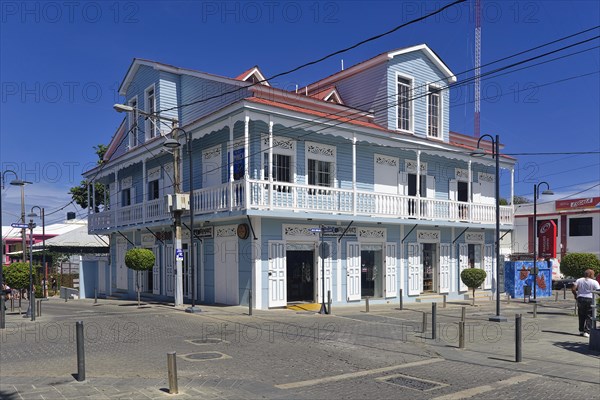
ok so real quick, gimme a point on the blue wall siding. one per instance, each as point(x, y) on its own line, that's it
point(167, 95)
point(366, 90)
point(423, 72)
point(194, 89)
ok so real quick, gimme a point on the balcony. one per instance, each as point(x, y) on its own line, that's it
point(279, 196)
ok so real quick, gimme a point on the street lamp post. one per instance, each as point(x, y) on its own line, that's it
point(536, 194)
point(22, 183)
point(496, 156)
point(33, 215)
point(31, 309)
point(2, 294)
point(174, 145)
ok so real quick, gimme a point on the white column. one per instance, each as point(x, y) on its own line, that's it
point(247, 161)
point(353, 174)
point(270, 164)
point(418, 207)
point(256, 264)
point(144, 190)
point(453, 262)
point(469, 191)
point(402, 264)
point(512, 187)
point(230, 160)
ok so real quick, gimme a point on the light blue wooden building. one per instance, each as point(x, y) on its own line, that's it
point(366, 151)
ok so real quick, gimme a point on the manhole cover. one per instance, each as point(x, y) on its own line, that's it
point(206, 355)
point(411, 383)
point(206, 341)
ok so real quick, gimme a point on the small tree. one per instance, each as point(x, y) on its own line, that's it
point(16, 276)
point(139, 260)
point(473, 278)
point(574, 264)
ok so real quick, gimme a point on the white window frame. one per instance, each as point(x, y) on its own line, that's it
point(132, 119)
point(411, 112)
point(151, 128)
point(319, 153)
point(440, 91)
point(279, 150)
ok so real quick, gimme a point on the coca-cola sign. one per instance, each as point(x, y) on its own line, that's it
point(547, 239)
point(574, 204)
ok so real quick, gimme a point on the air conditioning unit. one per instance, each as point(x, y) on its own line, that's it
point(177, 202)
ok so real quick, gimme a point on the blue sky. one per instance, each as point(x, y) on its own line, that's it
point(61, 64)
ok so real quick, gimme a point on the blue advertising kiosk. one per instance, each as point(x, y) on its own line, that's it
point(519, 278)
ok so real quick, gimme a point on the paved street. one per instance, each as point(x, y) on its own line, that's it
point(283, 354)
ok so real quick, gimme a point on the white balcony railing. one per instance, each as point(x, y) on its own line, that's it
point(261, 195)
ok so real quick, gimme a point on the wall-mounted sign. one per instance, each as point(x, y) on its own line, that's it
point(575, 204)
point(206, 232)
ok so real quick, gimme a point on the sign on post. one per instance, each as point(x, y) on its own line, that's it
point(179, 254)
point(20, 226)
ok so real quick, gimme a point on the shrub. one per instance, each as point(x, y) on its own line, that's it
point(139, 259)
point(16, 275)
point(574, 264)
point(473, 278)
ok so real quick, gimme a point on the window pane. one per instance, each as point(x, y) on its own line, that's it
point(580, 226)
point(404, 104)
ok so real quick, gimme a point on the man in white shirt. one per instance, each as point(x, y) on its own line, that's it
point(582, 290)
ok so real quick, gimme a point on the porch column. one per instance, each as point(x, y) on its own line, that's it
point(270, 164)
point(418, 184)
point(512, 195)
point(90, 185)
point(230, 160)
point(469, 192)
point(117, 202)
point(246, 161)
point(354, 174)
point(144, 190)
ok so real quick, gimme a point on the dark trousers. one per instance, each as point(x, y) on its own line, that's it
point(584, 311)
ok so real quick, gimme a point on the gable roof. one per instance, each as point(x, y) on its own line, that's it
point(381, 58)
point(244, 76)
point(327, 94)
point(138, 62)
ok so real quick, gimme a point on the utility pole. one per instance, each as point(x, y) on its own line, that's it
point(177, 211)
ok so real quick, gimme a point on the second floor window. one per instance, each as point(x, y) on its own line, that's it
point(433, 112)
point(153, 190)
point(404, 104)
point(126, 197)
point(133, 120)
point(282, 168)
point(320, 173)
point(151, 128)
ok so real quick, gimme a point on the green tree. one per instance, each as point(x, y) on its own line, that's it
point(574, 264)
point(80, 193)
point(473, 278)
point(520, 200)
point(139, 260)
point(16, 275)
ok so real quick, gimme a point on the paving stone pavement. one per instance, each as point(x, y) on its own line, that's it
point(222, 353)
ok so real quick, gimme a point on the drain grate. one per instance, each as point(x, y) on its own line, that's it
point(206, 355)
point(206, 341)
point(411, 382)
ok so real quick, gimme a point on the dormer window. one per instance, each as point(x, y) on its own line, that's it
point(433, 112)
point(151, 128)
point(404, 104)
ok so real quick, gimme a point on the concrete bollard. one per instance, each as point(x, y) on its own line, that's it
point(535, 310)
point(95, 296)
point(39, 308)
point(518, 333)
point(80, 352)
point(556, 297)
point(250, 302)
point(564, 292)
point(12, 305)
point(424, 323)
point(401, 300)
point(329, 301)
point(433, 320)
point(172, 371)
point(507, 298)
point(2, 313)
point(461, 335)
point(445, 299)
point(463, 313)
point(366, 304)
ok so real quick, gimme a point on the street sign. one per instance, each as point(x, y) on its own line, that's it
point(179, 254)
point(19, 226)
point(315, 229)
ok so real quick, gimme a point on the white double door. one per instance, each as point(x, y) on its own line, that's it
point(357, 271)
point(226, 270)
point(441, 268)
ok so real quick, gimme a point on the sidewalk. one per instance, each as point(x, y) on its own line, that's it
point(224, 353)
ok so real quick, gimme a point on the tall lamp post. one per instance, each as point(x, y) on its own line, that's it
point(34, 215)
point(536, 195)
point(31, 309)
point(22, 183)
point(495, 155)
point(173, 144)
point(2, 294)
